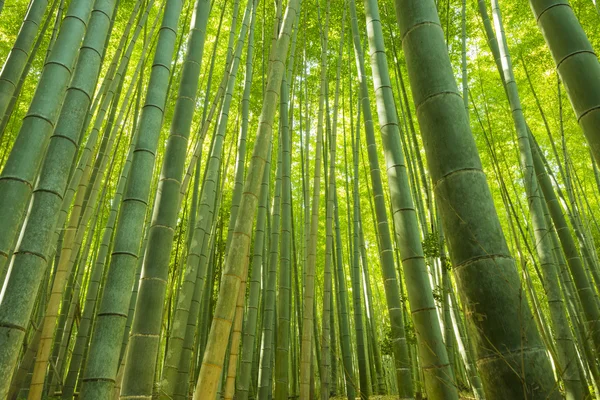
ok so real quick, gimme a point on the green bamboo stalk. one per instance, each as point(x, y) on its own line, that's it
point(327, 345)
point(305, 177)
point(80, 177)
point(241, 146)
point(439, 378)
point(19, 85)
point(258, 264)
point(134, 293)
point(376, 364)
point(446, 287)
point(513, 215)
point(62, 337)
point(21, 376)
point(250, 323)
point(295, 328)
point(234, 345)
point(21, 168)
point(236, 258)
point(463, 53)
point(309, 270)
point(543, 115)
point(218, 258)
point(113, 126)
point(333, 389)
point(34, 246)
point(285, 281)
point(355, 274)
point(565, 175)
point(464, 347)
point(268, 331)
point(581, 227)
point(419, 160)
point(576, 62)
point(585, 364)
point(565, 347)
point(78, 98)
point(202, 296)
point(219, 242)
point(55, 29)
point(239, 313)
point(202, 228)
point(138, 377)
point(584, 290)
point(17, 59)
point(511, 358)
point(103, 359)
point(236, 333)
point(216, 107)
point(282, 326)
point(342, 300)
point(97, 271)
point(199, 295)
point(385, 253)
point(94, 284)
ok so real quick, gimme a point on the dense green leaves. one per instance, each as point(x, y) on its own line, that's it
point(133, 168)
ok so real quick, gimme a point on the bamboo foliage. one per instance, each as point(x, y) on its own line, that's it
point(153, 247)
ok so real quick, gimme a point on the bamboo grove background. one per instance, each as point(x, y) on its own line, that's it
point(259, 199)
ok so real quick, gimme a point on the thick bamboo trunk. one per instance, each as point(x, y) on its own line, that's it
point(498, 316)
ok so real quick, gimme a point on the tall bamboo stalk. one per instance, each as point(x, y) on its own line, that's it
point(138, 378)
point(499, 319)
point(309, 272)
point(103, 358)
point(236, 259)
point(565, 346)
point(21, 169)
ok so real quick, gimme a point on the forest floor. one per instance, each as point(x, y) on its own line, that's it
point(462, 396)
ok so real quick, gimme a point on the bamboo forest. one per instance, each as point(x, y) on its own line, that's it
point(299, 199)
